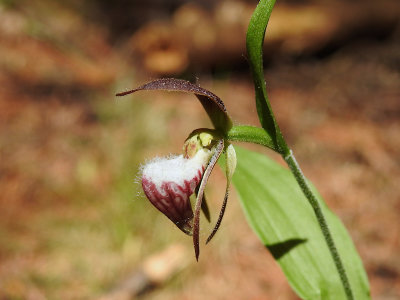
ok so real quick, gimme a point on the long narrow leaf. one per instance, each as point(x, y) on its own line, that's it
point(284, 221)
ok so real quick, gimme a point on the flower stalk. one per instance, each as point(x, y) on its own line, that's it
point(312, 199)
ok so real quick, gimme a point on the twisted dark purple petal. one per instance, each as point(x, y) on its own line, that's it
point(207, 173)
point(212, 104)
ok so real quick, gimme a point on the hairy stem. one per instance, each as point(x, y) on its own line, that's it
point(312, 199)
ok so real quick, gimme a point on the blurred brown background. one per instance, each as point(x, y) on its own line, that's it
point(73, 222)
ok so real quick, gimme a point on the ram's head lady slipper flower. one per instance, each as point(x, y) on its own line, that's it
point(169, 182)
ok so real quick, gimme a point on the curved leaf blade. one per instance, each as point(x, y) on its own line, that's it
point(284, 221)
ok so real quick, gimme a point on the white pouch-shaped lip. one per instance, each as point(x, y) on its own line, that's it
point(169, 182)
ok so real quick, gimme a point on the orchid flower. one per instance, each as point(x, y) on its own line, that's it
point(169, 182)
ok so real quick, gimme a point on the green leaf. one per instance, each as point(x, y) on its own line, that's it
point(254, 43)
point(282, 218)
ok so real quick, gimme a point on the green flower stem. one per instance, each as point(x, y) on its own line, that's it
point(259, 136)
point(312, 199)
